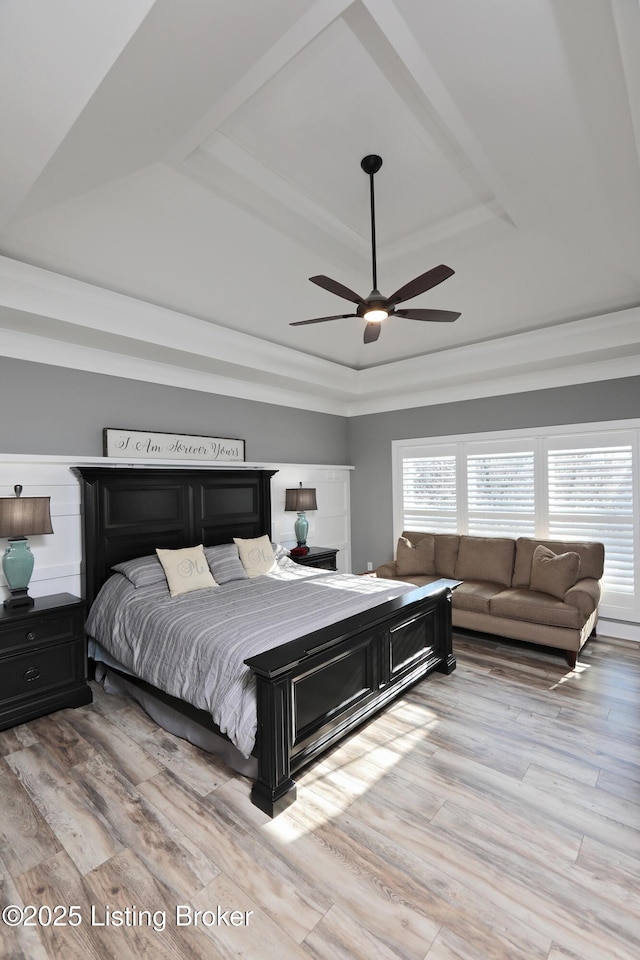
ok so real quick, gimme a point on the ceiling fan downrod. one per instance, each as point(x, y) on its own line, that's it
point(371, 164)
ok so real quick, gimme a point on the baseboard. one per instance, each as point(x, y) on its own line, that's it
point(619, 629)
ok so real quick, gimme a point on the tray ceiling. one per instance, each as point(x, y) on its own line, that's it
point(187, 166)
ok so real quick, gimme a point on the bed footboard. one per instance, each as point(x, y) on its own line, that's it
point(314, 691)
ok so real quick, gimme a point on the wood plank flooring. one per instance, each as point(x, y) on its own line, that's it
point(490, 815)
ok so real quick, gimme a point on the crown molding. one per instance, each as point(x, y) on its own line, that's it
point(109, 332)
point(499, 386)
point(604, 347)
point(49, 318)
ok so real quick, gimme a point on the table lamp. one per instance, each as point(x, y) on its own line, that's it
point(301, 499)
point(21, 517)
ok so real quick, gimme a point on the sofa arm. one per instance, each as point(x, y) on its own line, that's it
point(585, 595)
point(387, 570)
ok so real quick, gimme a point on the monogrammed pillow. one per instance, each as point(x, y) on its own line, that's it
point(186, 569)
point(256, 555)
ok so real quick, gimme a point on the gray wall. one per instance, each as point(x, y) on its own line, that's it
point(370, 443)
point(54, 410)
point(63, 411)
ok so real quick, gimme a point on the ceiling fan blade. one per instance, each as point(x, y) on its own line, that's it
point(441, 316)
point(339, 316)
point(372, 332)
point(338, 288)
point(424, 282)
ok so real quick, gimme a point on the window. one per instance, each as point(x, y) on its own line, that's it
point(554, 485)
point(429, 494)
point(591, 498)
point(500, 494)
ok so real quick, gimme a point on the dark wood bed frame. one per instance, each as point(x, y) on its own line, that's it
point(311, 692)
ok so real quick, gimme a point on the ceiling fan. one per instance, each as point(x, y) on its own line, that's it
point(375, 308)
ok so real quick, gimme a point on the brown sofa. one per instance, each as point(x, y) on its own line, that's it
point(540, 591)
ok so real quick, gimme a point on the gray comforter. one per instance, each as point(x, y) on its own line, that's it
point(194, 646)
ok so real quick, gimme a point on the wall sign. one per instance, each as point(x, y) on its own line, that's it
point(144, 445)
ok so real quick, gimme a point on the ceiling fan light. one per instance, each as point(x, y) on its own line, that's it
point(376, 315)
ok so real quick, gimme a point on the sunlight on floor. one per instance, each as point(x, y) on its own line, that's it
point(575, 674)
point(342, 781)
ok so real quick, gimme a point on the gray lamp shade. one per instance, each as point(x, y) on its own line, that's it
point(301, 499)
point(24, 516)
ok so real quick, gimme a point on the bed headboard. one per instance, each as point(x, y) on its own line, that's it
point(129, 511)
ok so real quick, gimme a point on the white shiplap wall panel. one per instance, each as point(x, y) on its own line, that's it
point(58, 556)
point(330, 524)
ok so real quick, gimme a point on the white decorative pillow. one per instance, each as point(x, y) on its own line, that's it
point(186, 570)
point(280, 552)
point(283, 558)
point(256, 555)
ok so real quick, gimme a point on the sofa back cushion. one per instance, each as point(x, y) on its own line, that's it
point(485, 558)
point(445, 550)
point(446, 553)
point(553, 573)
point(591, 558)
point(415, 559)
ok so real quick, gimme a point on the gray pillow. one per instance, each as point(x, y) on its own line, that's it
point(224, 563)
point(142, 571)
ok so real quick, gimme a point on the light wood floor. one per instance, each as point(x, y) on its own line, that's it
point(490, 815)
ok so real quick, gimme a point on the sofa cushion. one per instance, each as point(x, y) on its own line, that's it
point(553, 573)
point(525, 604)
point(591, 558)
point(481, 558)
point(474, 596)
point(416, 558)
point(446, 553)
point(585, 596)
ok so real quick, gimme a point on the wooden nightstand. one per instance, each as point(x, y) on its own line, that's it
point(43, 661)
point(322, 557)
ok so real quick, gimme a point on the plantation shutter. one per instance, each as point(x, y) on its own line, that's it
point(591, 498)
point(501, 494)
point(429, 494)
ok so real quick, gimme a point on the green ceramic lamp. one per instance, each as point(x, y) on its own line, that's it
point(301, 499)
point(21, 517)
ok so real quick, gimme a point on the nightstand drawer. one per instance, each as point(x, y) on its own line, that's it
point(322, 558)
point(37, 632)
point(43, 663)
point(40, 669)
point(326, 563)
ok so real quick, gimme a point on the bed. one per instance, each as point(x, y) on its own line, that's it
point(308, 691)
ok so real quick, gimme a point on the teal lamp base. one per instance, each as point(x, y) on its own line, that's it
point(17, 566)
point(301, 528)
